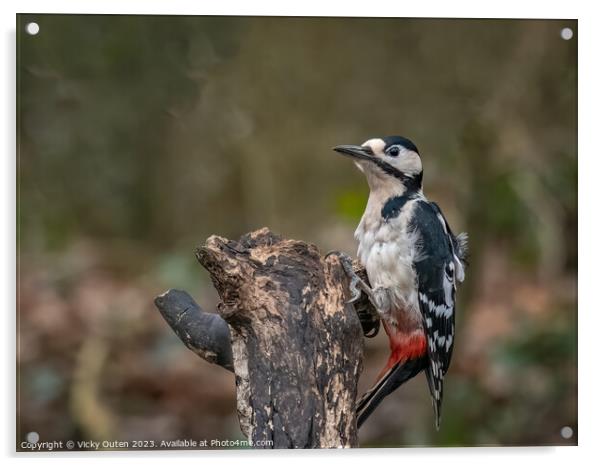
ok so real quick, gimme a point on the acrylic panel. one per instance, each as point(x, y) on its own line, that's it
point(140, 137)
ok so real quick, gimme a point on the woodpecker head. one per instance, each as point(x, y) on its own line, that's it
point(388, 161)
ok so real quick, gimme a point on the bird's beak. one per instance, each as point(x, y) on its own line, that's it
point(357, 152)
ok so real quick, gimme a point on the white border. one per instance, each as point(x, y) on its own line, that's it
point(468, 9)
point(590, 119)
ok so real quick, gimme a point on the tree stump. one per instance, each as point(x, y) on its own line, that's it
point(296, 345)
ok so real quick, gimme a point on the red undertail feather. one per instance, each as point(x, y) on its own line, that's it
point(408, 358)
point(403, 347)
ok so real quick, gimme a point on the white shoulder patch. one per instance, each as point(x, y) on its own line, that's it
point(459, 269)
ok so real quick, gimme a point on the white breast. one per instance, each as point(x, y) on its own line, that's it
point(387, 250)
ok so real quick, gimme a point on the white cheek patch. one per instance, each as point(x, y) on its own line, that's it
point(407, 162)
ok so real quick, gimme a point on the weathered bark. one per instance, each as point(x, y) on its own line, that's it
point(296, 344)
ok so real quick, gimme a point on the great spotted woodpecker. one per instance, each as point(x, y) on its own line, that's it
point(413, 262)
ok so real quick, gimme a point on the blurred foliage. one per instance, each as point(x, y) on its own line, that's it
point(139, 136)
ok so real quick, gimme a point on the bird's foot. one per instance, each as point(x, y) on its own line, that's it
point(356, 284)
point(366, 308)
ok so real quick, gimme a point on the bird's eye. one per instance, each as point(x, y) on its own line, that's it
point(393, 151)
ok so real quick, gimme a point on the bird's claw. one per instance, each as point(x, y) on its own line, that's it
point(354, 280)
point(356, 284)
point(368, 314)
point(355, 293)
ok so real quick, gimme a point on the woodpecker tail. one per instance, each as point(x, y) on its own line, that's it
point(436, 396)
point(396, 375)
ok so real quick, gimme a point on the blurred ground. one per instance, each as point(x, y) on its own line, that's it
point(141, 136)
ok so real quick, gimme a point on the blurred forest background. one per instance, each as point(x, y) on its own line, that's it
point(141, 136)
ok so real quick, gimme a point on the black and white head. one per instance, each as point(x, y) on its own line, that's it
point(386, 161)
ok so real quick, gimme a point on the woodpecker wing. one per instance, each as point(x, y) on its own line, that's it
point(459, 243)
point(436, 267)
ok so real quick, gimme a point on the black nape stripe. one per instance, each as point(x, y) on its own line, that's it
point(394, 205)
point(412, 183)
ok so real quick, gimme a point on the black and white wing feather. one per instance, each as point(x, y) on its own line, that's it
point(438, 265)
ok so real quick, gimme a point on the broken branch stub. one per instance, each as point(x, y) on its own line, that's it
point(296, 344)
point(204, 333)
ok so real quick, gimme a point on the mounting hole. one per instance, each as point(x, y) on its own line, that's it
point(32, 28)
point(566, 33)
point(566, 432)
